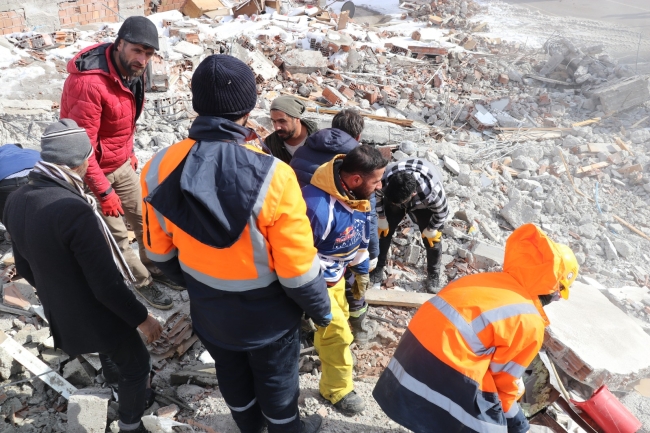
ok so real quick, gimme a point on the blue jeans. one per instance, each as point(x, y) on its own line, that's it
point(261, 385)
point(129, 365)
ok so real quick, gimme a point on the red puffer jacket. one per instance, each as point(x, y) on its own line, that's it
point(95, 98)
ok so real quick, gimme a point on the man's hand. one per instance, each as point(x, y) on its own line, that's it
point(432, 236)
point(361, 283)
point(111, 205)
point(134, 162)
point(322, 323)
point(151, 329)
point(382, 227)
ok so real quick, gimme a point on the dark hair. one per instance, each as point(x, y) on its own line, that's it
point(400, 188)
point(349, 121)
point(363, 160)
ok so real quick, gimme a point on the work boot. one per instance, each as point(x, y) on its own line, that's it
point(162, 279)
point(141, 429)
point(155, 297)
point(377, 277)
point(311, 424)
point(363, 328)
point(351, 404)
point(432, 285)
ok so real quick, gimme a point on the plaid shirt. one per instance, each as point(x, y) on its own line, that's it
point(429, 193)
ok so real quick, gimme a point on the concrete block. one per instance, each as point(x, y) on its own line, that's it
point(77, 374)
point(263, 68)
point(623, 94)
point(595, 342)
point(517, 212)
point(412, 254)
point(129, 8)
point(486, 256)
point(304, 62)
point(188, 49)
point(87, 410)
point(624, 249)
point(608, 246)
point(451, 165)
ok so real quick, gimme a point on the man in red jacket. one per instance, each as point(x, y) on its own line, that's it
point(104, 94)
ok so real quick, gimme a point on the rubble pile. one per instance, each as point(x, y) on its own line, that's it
point(557, 136)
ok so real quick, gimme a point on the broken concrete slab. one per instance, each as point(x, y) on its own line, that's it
point(485, 256)
point(75, 372)
point(595, 342)
point(518, 213)
point(25, 107)
point(188, 49)
point(262, 67)
point(451, 165)
point(87, 410)
point(623, 94)
point(304, 62)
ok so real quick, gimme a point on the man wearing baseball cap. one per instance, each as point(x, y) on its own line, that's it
point(104, 94)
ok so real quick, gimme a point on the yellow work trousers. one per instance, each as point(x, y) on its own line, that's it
point(333, 346)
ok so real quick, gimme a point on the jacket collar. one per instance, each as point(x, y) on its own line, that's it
point(40, 180)
point(211, 128)
point(325, 178)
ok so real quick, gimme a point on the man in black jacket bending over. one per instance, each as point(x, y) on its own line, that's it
point(63, 248)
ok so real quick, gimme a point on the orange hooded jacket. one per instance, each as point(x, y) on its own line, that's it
point(456, 365)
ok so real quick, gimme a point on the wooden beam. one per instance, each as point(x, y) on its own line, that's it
point(400, 122)
point(36, 366)
point(623, 145)
point(396, 298)
point(631, 227)
point(588, 169)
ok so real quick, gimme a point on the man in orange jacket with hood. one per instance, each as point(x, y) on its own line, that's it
point(457, 366)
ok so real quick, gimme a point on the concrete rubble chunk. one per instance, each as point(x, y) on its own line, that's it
point(623, 94)
point(485, 256)
point(624, 248)
point(610, 249)
point(517, 212)
point(412, 254)
point(75, 372)
point(87, 410)
point(451, 165)
point(304, 62)
point(595, 342)
point(262, 67)
point(188, 49)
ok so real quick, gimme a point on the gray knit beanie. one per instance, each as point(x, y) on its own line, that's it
point(65, 143)
point(289, 105)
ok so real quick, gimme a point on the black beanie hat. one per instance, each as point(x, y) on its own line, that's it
point(223, 86)
point(139, 30)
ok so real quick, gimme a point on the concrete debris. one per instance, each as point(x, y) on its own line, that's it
point(557, 136)
point(87, 409)
point(595, 342)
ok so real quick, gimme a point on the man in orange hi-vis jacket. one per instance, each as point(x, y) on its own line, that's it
point(229, 223)
point(457, 366)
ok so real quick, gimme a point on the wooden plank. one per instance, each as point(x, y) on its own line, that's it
point(400, 122)
point(623, 145)
point(587, 169)
point(396, 298)
point(36, 366)
point(586, 122)
point(631, 227)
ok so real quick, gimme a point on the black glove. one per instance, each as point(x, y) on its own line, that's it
point(322, 323)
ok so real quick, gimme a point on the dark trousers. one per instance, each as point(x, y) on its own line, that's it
point(130, 364)
point(394, 215)
point(8, 186)
point(261, 384)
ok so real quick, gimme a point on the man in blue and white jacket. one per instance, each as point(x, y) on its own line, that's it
point(337, 208)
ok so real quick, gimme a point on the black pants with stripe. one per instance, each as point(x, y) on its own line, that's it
point(261, 385)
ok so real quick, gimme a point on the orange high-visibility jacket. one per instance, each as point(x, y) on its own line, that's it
point(456, 365)
point(229, 223)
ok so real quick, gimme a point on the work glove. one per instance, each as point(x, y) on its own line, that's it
point(372, 264)
point(134, 162)
point(322, 323)
point(111, 205)
point(382, 227)
point(521, 388)
point(432, 236)
point(361, 283)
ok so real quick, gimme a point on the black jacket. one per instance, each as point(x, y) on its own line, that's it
point(60, 249)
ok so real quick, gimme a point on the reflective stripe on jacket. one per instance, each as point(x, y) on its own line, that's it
point(229, 223)
point(456, 366)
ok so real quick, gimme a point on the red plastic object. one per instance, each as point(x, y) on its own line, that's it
point(609, 413)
